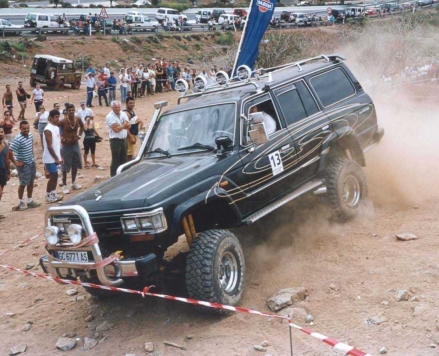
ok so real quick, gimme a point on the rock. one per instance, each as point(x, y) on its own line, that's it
point(105, 326)
point(295, 313)
point(189, 337)
point(14, 173)
point(333, 287)
point(265, 343)
point(29, 266)
point(26, 327)
point(17, 349)
point(38, 299)
point(71, 292)
point(80, 298)
point(65, 343)
point(10, 314)
point(383, 350)
point(149, 346)
point(385, 302)
point(377, 319)
point(432, 346)
point(406, 236)
point(102, 168)
point(309, 318)
point(286, 297)
point(89, 318)
point(259, 348)
point(89, 343)
point(414, 299)
point(420, 309)
point(402, 295)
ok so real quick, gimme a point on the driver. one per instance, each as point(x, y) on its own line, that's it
point(269, 122)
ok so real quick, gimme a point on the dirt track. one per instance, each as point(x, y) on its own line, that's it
point(295, 246)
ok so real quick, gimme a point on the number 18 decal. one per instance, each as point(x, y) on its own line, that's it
point(276, 162)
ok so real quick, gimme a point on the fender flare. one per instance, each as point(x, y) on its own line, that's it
point(195, 202)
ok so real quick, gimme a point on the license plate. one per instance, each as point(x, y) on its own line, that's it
point(70, 256)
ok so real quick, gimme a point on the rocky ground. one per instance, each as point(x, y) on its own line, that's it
point(355, 282)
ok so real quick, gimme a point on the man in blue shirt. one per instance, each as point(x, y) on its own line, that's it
point(112, 83)
point(23, 159)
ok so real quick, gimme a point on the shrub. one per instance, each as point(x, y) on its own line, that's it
point(177, 37)
point(115, 39)
point(176, 6)
point(225, 39)
point(66, 4)
point(92, 6)
point(136, 39)
point(18, 46)
point(41, 38)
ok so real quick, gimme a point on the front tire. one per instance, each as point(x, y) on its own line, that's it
point(77, 83)
point(215, 268)
point(346, 187)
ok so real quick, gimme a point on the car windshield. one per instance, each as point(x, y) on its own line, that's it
point(197, 126)
point(31, 17)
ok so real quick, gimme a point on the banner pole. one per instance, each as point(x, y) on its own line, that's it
point(242, 38)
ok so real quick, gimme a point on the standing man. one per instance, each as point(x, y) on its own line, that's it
point(52, 155)
point(112, 82)
point(106, 70)
point(91, 85)
point(90, 69)
point(102, 88)
point(118, 126)
point(124, 83)
point(5, 169)
point(83, 112)
point(22, 96)
point(72, 128)
point(23, 148)
point(7, 101)
point(136, 125)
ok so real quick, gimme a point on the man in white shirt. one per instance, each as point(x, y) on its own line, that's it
point(91, 85)
point(124, 80)
point(269, 122)
point(106, 70)
point(118, 126)
point(83, 112)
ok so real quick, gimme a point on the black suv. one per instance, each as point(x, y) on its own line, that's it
point(285, 16)
point(216, 13)
point(226, 156)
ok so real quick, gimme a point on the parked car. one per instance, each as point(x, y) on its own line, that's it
point(54, 71)
point(228, 21)
point(142, 3)
point(285, 15)
point(301, 19)
point(240, 12)
point(5, 24)
point(203, 16)
point(171, 14)
point(216, 13)
point(137, 19)
point(45, 21)
point(224, 157)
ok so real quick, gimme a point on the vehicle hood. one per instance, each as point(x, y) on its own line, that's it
point(145, 184)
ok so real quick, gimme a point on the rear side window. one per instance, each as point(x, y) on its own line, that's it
point(332, 87)
point(160, 11)
point(44, 18)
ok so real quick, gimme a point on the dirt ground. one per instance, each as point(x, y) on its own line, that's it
point(295, 246)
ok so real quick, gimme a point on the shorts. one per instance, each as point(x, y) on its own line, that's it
point(131, 147)
point(89, 145)
point(51, 167)
point(3, 177)
point(41, 127)
point(26, 173)
point(9, 105)
point(9, 138)
point(71, 155)
point(23, 104)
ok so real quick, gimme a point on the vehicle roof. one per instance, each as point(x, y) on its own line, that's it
point(53, 58)
point(238, 93)
point(166, 8)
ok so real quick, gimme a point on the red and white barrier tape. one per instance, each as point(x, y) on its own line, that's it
point(349, 350)
point(23, 243)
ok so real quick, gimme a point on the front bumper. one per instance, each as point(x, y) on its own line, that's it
point(109, 275)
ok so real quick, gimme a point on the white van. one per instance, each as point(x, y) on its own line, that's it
point(171, 14)
point(227, 21)
point(43, 21)
point(136, 19)
point(203, 16)
point(355, 11)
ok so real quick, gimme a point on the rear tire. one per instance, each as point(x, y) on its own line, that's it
point(215, 268)
point(346, 187)
point(60, 85)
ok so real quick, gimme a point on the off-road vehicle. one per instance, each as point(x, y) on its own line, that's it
point(227, 155)
point(55, 72)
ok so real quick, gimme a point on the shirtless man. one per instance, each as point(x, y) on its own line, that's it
point(72, 128)
point(7, 101)
point(136, 126)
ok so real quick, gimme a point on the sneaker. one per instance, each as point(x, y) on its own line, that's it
point(65, 190)
point(33, 204)
point(76, 186)
point(22, 206)
point(54, 198)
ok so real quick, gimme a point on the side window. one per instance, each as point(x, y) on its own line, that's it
point(332, 87)
point(307, 100)
point(291, 105)
point(44, 18)
point(270, 118)
point(160, 11)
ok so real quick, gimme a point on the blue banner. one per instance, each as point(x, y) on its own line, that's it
point(261, 12)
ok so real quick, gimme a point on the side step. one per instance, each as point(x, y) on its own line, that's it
point(277, 204)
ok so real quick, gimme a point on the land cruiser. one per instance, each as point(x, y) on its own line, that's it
point(54, 71)
point(225, 156)
point(137, 19)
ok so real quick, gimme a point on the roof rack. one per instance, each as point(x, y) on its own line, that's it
point(228, 86)
point(328, 58)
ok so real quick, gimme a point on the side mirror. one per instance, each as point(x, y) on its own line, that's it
point(223, 141)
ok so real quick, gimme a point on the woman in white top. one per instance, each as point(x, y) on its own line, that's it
point(41, 122)
point(37, 97)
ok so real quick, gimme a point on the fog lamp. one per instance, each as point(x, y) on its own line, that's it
point(75, 233)
point(51, 234)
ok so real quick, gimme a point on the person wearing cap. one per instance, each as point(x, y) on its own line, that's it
point(91, 85)
point(112, 83)
point(84, 112)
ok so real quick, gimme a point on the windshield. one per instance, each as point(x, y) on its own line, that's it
point(31, 17)
point(186, 128)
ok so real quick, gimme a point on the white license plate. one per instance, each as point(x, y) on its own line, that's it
point(70, 256)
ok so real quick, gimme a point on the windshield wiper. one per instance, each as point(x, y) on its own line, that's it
point(197, 145)
point(159, 150)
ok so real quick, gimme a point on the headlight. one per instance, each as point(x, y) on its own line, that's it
point(51, 234)
point(129, 224)
point(145, 223)
point(75, 233)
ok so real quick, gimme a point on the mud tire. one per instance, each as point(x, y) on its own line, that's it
point(60, 85)
point(76, 84)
